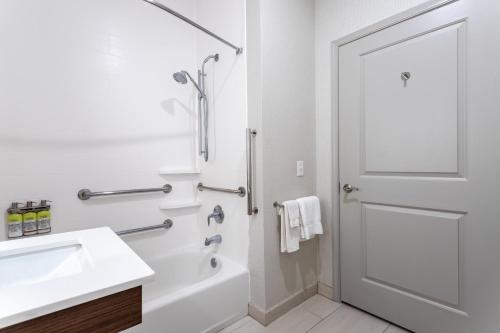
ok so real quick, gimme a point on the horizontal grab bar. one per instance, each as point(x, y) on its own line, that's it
point(240, 191)
point(165, 225)
point(86, 194)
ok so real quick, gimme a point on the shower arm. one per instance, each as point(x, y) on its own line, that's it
point(213, 56)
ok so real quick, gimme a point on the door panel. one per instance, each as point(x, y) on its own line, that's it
point(419, 239)
point(422, 111)
point(412, 266)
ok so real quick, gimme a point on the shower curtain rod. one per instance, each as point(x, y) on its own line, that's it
point(239, 50)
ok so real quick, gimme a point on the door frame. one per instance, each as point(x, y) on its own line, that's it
point(334, 126)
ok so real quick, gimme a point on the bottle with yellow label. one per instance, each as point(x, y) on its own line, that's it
point(14, 221)
point(43, 217)
point(29, 219)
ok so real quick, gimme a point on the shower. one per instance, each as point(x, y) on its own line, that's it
point(182, 78)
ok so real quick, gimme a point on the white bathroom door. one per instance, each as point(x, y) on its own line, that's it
point(419, 143)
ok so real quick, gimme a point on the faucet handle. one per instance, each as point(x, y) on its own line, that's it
point(217, 215)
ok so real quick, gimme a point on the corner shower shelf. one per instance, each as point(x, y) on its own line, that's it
point(167, 171)
point(179, 205)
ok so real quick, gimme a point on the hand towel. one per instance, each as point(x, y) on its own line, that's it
point(293, 212)
point(310, 213)
point(290, 236)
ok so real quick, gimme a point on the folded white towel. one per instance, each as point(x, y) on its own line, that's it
point(292, 206)
point(290, 236)
point(310, 213)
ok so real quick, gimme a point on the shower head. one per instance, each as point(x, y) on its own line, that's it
point(182, 78)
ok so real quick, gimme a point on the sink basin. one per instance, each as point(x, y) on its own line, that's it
point(45, 274)
point(33, 265)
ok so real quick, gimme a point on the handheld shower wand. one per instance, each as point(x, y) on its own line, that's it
point(202, 75)
point(182, 78)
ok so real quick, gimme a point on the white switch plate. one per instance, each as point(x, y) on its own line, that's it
point(300, 168)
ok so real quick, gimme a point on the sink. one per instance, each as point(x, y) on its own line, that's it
point(45, 274)
point(36, 264)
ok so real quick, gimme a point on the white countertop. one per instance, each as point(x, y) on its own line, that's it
point(86, 265)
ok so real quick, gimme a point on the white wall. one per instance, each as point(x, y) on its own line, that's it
point(281, 86)
point(256, 250)
point(88, 101)
point(335, 19)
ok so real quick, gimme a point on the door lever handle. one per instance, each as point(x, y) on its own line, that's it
point(348, 188)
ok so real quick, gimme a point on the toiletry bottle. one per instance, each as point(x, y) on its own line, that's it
point(29, 219)
point(14, 221)
point(43, 217)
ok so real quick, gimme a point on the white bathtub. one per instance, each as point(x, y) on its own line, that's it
point(188, 295)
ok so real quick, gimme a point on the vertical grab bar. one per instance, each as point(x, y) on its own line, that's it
point(251, 210)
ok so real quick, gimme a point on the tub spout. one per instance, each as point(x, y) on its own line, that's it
point(217, 239)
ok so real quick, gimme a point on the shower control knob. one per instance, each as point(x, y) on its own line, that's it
point(348, 188)
point(217, 215)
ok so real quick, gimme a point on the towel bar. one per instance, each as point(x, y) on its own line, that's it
point(276, 204)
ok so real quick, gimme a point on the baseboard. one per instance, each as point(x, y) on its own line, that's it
point(267, 317)
point(325, 290)
point(257, 313)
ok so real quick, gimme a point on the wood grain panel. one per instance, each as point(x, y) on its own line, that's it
point(110, 314)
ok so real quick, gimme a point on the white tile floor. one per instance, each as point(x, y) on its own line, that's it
point(318, 315)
